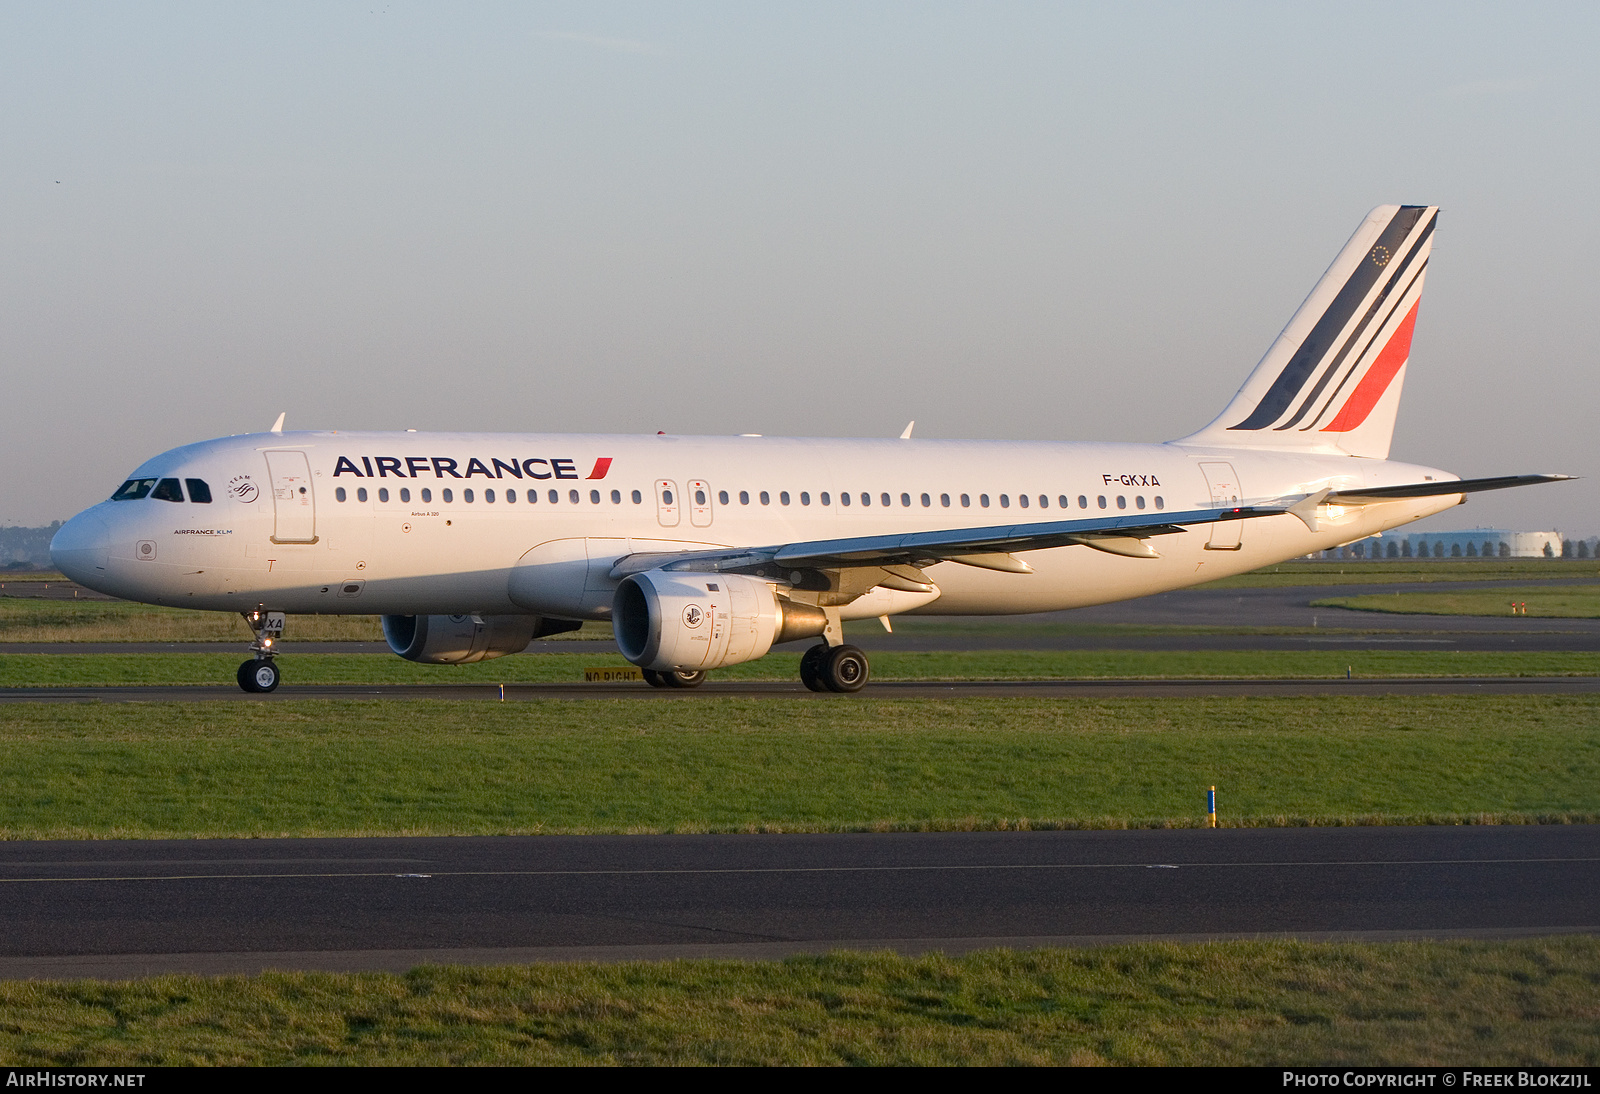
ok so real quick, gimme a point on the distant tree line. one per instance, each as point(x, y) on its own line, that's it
point(26, 548)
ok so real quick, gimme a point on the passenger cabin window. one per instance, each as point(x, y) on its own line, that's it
point(488, 496)
point(200, 492)
point(405, 493)
point(361, 493)
point(638, 498)
point(1102, 500)
point(1005, 501)
point(339, 494)
point(966, 501)
point(944, 500)
point(427, 495)
point(616, 497)
point(133, 490)
point(1022, 500)
point(765, 498)
point(594, 497)
point(447, 494)
point(905, 499)
point(666, 497)
point(844, 499)
point(744, 497)
point(1083, 502)
point(884, 498)
point(783, 497)
point(805, 498)
point(466, 495)
point(1161, 503)
point(511, 497)
point(1044, 501)
point(533, 497)
point(1122, 502)
point(383, 494)
point(983, 500)
point(866, 499)
point(825, 500)
point(722, 496)
point(1063, 500)
point(572, 495)
point(927, 501)
point(1139, 501)
point(167, 490)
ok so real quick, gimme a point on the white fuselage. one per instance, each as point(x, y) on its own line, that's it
point(346, 528)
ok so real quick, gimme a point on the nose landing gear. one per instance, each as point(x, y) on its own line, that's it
point(260, 675)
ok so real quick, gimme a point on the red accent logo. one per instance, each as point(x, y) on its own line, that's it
point(601, 466)
point(1377, 379)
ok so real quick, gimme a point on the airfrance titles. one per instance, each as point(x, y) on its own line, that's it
point(440, 467)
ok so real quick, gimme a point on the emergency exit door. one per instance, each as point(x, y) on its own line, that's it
point(1224, 487)
point(294, 504)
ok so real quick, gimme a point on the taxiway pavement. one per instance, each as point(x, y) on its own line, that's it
point(778, 689)
point(116, 908)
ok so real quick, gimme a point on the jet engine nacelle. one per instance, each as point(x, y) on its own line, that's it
point(685, 621)
point(460, 639)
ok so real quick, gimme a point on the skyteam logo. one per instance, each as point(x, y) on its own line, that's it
point(450, 467)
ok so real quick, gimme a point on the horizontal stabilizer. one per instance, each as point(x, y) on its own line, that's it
point(1437, 489)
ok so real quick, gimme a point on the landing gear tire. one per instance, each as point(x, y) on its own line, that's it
point(653, 678)
point(676, 679)
point(258, 677)
point(811, 667)
point(845, 669)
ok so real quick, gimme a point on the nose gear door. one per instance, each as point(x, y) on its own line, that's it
point(293, 502)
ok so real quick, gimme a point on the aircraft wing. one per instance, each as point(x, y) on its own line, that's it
point(988, 547)
point(991, 547)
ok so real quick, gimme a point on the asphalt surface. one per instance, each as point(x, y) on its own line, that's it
point(959, 689)
point(127, 908)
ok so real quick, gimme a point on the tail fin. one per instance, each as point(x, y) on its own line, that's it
point(1332, 380)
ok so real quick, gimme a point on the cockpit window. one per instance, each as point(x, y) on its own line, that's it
point(167, 490)
point(199, 490)
point(133, 489)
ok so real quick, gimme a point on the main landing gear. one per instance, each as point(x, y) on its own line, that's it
point(834, 668)
point(260, 675)
point(674, 679)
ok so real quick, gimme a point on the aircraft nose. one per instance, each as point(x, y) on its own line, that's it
point(81, 549)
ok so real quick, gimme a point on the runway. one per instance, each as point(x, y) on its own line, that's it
point(779, 689)
point(127, 908)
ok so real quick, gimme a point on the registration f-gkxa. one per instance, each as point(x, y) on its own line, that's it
point(708, 551)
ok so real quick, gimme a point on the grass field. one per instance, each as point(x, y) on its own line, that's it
point(114, 669)
point(1386, 571)
point(309, 767)
point(1551, 602)
point(1241, 1003)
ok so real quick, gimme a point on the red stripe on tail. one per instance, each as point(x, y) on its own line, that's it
point(1377, 379)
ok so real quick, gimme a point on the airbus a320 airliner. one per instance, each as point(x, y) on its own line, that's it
point(708, 551)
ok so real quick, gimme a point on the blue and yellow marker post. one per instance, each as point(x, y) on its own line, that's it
point(1211, 808)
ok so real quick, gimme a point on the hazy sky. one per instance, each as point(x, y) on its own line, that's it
point(1003, 220)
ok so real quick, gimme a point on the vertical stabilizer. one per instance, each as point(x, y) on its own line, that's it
point(1332, 380)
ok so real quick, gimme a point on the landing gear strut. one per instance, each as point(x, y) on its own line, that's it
point(834, 668)
point(260, 675)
